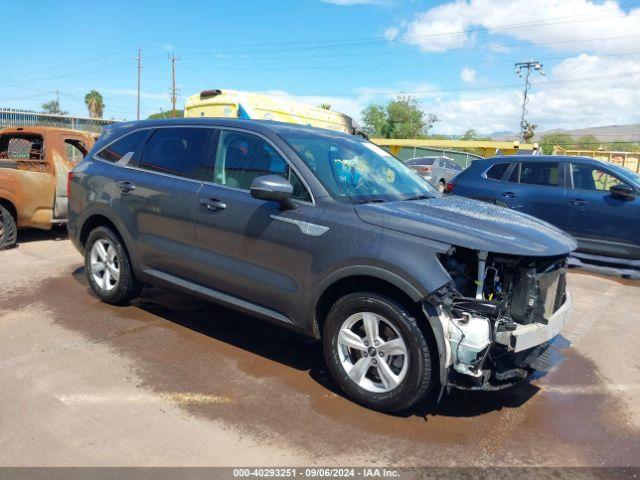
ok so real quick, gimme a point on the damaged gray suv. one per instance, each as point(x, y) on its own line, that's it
point(329, 235)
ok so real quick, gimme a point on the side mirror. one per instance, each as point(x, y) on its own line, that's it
point(273, 188)
point(623, 191)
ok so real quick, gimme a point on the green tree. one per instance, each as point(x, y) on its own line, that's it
point(325, 106)
point(588, 142)
point(53, 107)
point(399, 118)
point(621, 146)
point(549, 141)
point(529, 132)
point(95, 104)
point(168, 114)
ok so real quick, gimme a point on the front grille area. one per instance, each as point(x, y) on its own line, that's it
point(537, 295)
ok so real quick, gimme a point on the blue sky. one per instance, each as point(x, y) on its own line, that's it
point(455, 57)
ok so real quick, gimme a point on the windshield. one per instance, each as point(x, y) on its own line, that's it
point(353, 170)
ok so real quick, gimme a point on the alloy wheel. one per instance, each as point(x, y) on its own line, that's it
point(373, 352)
point(105, 264)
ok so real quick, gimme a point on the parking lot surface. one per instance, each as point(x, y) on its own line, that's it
point(172, 380)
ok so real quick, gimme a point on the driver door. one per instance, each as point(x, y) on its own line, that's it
point(250, 252)
point(601, 222)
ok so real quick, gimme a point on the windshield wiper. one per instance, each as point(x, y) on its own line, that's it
point(417, 197)
point(371, 200)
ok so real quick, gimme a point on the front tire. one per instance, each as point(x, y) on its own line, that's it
point(108, 268)
point(8, 229)
point(376, 352)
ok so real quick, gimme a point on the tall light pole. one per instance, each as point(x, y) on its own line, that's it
point(523, 70)
point(139, 59)
point(174, 91)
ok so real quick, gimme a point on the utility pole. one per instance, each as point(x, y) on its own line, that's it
point(174, 92)
point(526, 67)
point(139, 59)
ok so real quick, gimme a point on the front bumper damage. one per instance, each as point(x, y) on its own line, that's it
point(493, 344)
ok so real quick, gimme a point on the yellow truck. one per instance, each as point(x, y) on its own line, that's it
point(237, 104)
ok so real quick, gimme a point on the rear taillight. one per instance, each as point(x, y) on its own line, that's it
point(449, 187)
point(69, 180)
point(423, 169)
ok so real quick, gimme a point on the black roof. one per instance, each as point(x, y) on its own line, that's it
point(261, 126)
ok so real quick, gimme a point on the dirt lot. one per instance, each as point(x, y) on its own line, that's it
point(175, 381)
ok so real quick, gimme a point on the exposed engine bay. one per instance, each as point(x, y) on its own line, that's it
point(498, 314)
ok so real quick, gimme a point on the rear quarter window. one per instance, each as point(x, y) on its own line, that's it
point(497, 171)
point(118, 149)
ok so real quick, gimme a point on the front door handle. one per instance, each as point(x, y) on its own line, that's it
point(213, 204)
point(125, 186)
point(578, 202)
point(509, 195)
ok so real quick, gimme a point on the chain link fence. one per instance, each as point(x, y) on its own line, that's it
point(25, 118)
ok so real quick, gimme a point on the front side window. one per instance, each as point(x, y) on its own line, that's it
point(588, 177)
point(243, 157)
point(118, 149)
point(539, 173)
point(356, 171)
point(181, 151)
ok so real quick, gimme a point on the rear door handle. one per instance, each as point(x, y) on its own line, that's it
point(578, 202)
point(509, 195)
point(213, 204)
point(125, 186)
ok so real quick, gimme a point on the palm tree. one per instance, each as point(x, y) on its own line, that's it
point(94, 103)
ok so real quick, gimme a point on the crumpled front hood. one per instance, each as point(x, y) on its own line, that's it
point(470, 224)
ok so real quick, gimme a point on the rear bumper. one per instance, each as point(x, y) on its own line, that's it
point(532, 335)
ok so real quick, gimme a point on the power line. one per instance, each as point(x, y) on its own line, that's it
point(366, 40)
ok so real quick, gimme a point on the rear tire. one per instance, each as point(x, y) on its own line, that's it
point(8, 229)
point(392, 373)
point(108, 268)
point(441, 186)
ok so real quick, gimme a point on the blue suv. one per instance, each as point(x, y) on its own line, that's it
point(596, 202)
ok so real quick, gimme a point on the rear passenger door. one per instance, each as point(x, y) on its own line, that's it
point(156, 198)
point(249, 250)
point(536, 188)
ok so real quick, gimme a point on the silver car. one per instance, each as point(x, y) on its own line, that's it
point(436, 170)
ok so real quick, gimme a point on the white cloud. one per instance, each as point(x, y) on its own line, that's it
point(602, 91)
point(567, 22)
point(391, 33)
point(468, 75)
point(132, 92)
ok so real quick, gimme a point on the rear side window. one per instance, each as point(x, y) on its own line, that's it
point(497, 171)
point(182, 151)
point(539, 173)
point(119, 148)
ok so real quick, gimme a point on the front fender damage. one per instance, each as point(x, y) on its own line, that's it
point(502, 335)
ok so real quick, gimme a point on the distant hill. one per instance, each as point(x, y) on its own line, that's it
point(623, 133)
